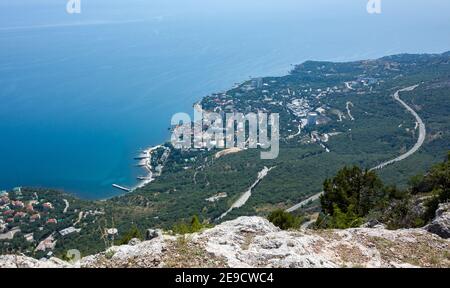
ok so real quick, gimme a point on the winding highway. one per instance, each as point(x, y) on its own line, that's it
point(244, 197)
point(414, 149)
point(422, 131)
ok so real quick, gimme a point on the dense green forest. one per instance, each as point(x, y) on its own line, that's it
point(355, 196)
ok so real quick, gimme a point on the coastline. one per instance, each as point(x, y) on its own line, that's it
point(145, 162)
point(149, 177)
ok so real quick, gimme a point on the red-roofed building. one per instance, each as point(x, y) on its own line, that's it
point(35, 217)
point(18, 204)
point(52, 221)
point(4, 200)
point(20, 214)
point(47, 205)
point(8, 212)
point(30, 208)
point(9, 220)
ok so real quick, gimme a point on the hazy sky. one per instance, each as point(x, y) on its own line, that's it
point(26, 12)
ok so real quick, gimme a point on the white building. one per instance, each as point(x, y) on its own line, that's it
point(312, 118)
point(68, 231)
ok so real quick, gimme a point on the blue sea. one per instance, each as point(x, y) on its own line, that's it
point(80, 94)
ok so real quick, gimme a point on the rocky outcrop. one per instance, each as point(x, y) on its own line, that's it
point(255, 242)
point(373, 224)
point(441, 223)
point(152, 234)
point(16, 261)
point(144, 254)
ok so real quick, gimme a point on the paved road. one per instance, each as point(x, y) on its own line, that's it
point(307, 224)
point(422, 131)
point(416, 147)
point(244, 197)
point(80, 216)
point(349, 113)
point(304, 202)
point(67, 206)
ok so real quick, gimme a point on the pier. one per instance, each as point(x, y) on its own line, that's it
point(143, 155)
point(121, 188)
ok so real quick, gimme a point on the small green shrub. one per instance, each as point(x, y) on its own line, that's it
point(193, 226)
point(284, 220)
point(349, 219)
point(110, 254)
point(133, 233)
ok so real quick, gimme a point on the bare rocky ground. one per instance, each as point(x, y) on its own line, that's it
point(255, 242)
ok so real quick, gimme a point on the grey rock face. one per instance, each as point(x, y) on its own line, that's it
point(17, 261)
point(134, 242)
point(152, 234)
point(441, 223)
point(255, 242)
point(373, 224)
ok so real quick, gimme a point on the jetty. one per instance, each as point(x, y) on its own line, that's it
point(145, 154)
point(121, 188)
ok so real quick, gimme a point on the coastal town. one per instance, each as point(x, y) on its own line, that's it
point(40, 219)
point(303, 107)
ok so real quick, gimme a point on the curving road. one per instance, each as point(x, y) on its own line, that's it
point(244, 197)
point(422, 131)
point(414, 149)
point(67, 206)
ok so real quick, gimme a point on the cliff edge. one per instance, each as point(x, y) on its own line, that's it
point(255, 242)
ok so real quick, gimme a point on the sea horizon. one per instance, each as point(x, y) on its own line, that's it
point(82, 94)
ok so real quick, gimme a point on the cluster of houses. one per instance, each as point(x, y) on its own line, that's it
point(303, 102)
point(17, 211)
